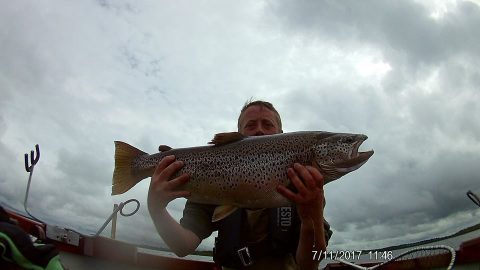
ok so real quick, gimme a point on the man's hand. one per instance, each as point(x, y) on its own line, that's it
point(163, 189)
point(309, 201)
point(309, 183)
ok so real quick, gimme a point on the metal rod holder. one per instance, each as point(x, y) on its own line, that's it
point(473, 197)
point(29, 168)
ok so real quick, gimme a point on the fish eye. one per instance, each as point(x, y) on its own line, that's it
point(349, 140)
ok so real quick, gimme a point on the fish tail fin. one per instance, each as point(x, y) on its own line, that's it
point(124, 177)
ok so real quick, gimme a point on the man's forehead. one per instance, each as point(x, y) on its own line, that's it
point(258, 112)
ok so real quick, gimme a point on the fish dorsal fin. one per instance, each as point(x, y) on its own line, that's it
point(222, 212)
point(226, 138)
point(163, 148)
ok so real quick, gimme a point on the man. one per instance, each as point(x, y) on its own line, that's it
point(253, 229)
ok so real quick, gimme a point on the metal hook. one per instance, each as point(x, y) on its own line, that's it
point(473, 197)
point(34, 159)
point(115, 211)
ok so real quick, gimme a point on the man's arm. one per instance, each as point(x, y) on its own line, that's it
point(309, 200)
point(162, 191)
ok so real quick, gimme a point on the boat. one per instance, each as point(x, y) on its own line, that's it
point(80, 251)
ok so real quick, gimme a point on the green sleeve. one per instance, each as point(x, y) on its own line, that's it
point(197, 218)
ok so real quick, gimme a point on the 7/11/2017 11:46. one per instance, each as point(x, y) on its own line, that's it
point(351, 255)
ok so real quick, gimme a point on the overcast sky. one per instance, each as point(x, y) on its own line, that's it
point(77, 75)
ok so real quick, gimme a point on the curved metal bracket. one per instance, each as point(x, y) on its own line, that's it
point(116, 210)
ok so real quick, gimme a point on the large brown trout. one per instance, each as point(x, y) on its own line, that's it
point(244, 171)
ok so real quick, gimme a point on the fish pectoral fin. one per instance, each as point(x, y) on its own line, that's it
point(222, 212)
point(163, 148)
point(329, 172)
point(226, 138)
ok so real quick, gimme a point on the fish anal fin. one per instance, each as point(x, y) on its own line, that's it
point(226, 138)
point(164, 148)
point(222, 212)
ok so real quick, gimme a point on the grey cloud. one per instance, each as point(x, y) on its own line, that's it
point(400, 27)
point(421, 169)
point(117, 6)
point(83, 172)
point(410, 40)
point(413, 197)
point(337, 107)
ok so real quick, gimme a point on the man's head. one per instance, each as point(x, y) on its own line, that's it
point(259, 118)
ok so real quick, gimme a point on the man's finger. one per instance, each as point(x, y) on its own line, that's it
point(287, 193)
point(164, 164)
point(178, 194)
point(177, 182)
point(305, 175)
point(318, 177)
point(296, 181)
point(171, 169)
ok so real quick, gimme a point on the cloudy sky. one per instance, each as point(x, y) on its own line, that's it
point(77, 75)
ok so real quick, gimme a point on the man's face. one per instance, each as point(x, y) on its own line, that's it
point(258, 121)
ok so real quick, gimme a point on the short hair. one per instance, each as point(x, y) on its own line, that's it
point(261, 103)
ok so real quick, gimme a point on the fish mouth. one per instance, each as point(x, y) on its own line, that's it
point(357, 158)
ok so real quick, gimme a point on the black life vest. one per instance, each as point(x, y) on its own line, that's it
point(231, 250)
